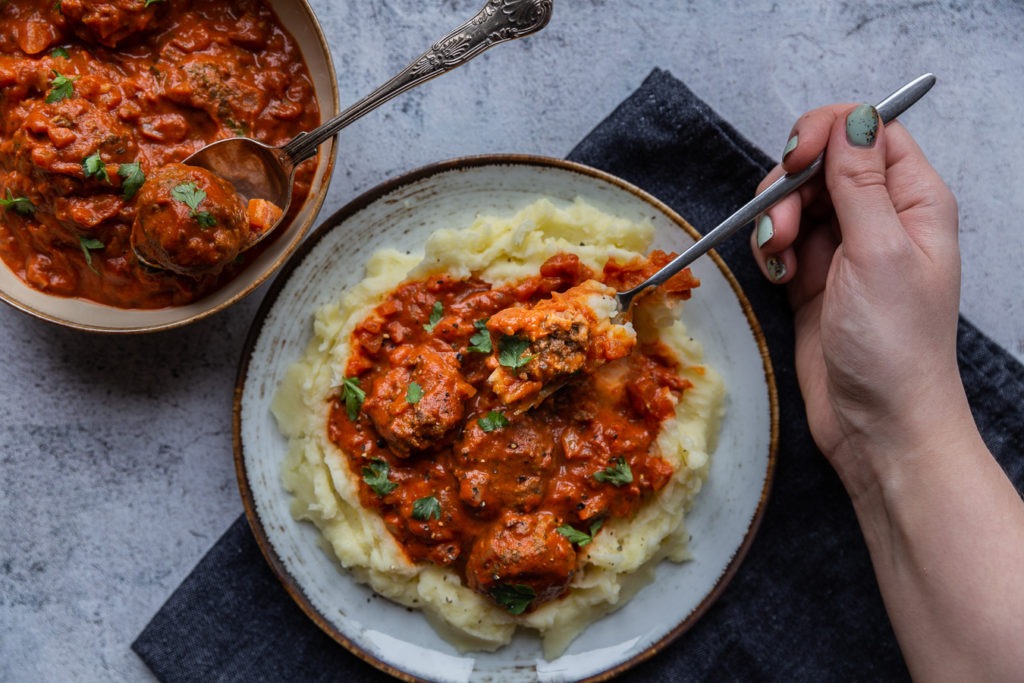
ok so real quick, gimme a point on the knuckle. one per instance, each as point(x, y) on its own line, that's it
point(858, 180)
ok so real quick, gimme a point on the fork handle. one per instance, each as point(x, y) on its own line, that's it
point(497, 22)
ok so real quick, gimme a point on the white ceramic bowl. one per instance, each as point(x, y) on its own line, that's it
point(401, 213)
point(298, 18)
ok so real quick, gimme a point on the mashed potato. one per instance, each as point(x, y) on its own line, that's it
point(623, 554)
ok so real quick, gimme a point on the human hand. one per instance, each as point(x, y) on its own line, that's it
point(870, 254)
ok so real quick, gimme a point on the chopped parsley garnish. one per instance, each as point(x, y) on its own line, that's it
point(22, 205)
point(132, 178)
point(353, 397)
point(376, 477)
point(436, 313)
point(510, 351)
point(61, 88)
point(151, 2)
point(59, 52)
point(425, 508)
point(414, 393)
point(94, 167)
point(617, 474)
point(239, 129)
point(513, 597)
point(192, 196)
point(481, 339)
point(88, 245)
point(492, 420)
point(578, 537)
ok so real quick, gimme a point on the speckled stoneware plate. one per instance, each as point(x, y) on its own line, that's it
point(401, 213)
point(296, 16)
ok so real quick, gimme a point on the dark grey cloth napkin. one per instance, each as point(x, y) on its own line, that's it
point(804, 605)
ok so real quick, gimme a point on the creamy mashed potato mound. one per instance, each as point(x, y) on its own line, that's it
point(622, 557)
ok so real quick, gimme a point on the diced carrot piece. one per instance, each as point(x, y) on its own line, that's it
point(263, 215)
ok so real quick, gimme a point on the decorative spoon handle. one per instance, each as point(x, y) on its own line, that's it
point(497, 22)
point(888, 109)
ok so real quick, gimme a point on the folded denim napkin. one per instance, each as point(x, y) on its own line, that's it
point(804, 605)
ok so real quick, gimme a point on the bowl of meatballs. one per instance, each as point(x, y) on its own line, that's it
point(102, 227)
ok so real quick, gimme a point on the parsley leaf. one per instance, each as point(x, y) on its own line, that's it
point(189, 194)
point(513, 597)
point(510, 352)
point(192, 196)
point(574, 535)
point(578, 537)
point(132, 178)
point(204, 218)
point(22, 205)
point(59, 52)
point(353, 396)
point(88, 244)
point(414, 393)
point(425, 508)
point(61, 88)
point(376, 477)
point(94, 167)
point(436, 313)
point(481, 340)
point(492, 420)
point(618, 474)
point(150, 2)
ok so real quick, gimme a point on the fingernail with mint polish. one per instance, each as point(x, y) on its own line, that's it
point(862, 126)
point(765, 230)
point(776, 268)
point(791, 145)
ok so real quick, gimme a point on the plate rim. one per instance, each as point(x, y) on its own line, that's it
point(372, 195)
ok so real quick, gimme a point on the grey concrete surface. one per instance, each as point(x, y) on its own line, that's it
point(116, 471)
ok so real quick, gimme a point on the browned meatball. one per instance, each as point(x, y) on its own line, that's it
point(504, 467)
point(205, 82)
point(109, 22)
point(522, 554)
point(542, 346)
point(420, 399)
point(189, 221)
point(55, 138)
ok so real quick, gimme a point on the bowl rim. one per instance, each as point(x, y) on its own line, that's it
point(291, 585)
point(314, 202)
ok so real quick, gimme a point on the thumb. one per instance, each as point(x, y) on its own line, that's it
point(855, 174)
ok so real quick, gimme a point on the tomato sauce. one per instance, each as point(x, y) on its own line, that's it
point(462, 479)
point(95, 95)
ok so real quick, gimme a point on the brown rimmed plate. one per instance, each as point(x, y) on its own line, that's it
point(401, 213)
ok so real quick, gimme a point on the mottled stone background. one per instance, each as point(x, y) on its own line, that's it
point(116, 472)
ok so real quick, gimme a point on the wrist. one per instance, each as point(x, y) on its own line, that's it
point(879, 456)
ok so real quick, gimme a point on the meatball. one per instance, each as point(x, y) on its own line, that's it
point(55, 138)
point(507, 467)
point(523, 553)
point(542, 346)
point(205, 82)
point(109, 22)
point(189, 221)
point(420, 399)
